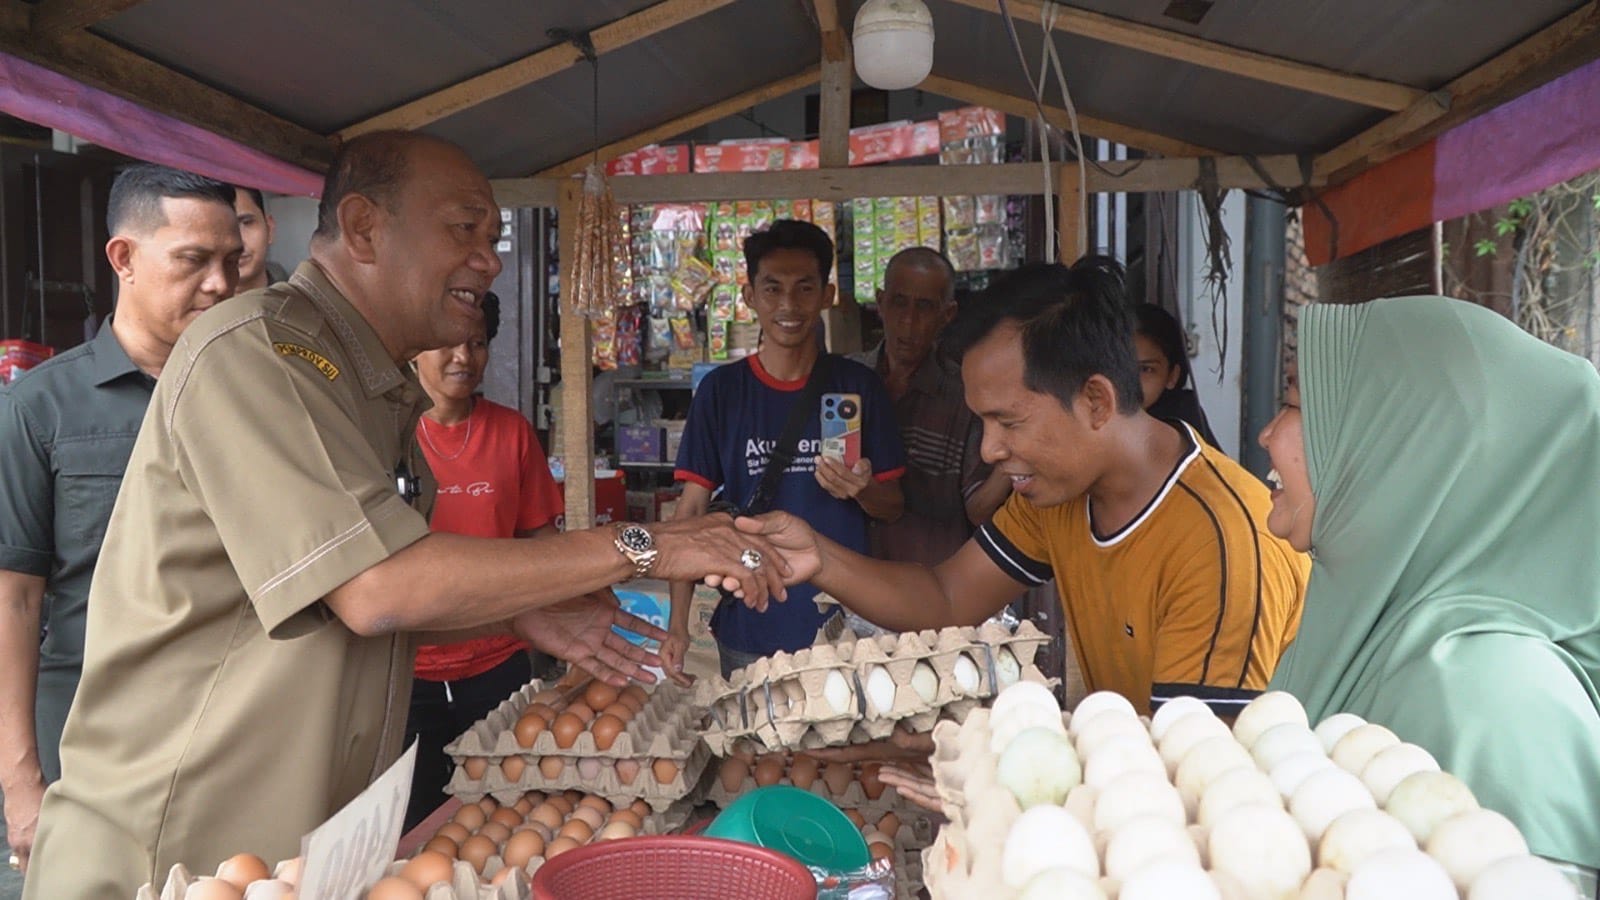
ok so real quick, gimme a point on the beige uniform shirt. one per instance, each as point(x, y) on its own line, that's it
point(223, 708)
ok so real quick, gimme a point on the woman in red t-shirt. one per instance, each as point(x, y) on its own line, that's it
point(494, 482)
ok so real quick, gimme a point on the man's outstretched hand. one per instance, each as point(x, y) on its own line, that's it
point(579, 631)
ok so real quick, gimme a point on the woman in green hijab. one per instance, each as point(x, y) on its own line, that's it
point(1443, 467)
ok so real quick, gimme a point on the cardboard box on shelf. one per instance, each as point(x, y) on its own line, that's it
point(641, 444)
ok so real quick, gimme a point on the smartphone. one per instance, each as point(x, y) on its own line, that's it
point(841, 427)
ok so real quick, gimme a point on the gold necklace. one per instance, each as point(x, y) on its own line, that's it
point(432, 446)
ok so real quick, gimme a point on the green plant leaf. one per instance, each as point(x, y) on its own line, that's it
point(1504, 227)
point(1483, 247)
point(1520, 208)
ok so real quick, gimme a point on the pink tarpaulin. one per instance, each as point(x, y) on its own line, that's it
point(47, 98)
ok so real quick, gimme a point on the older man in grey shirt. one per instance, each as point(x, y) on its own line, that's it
point(66, 431)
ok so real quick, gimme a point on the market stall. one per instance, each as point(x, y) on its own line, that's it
point(668, 760)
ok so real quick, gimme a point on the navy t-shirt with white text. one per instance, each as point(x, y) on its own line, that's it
point(736, 417)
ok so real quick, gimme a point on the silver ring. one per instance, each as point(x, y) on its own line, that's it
point(750, 559)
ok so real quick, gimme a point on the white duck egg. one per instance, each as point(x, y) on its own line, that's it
point(1394, 765)
point(1326, 795)
point(1144, 841)
point(1096, 703)
point(966, 675)
point(1360, 745)
point(1006, 668)
point(1173, 710)
point(926, 682)
point(1038, 767)
point(1047, 837)
point(1280, 742)
point(1399, 874)
point(880, 691)
point(1424, 799)
point(1265, 711)
point(1336, 726)
point(836, 690)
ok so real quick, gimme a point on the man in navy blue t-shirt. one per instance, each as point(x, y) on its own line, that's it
point(736, 418)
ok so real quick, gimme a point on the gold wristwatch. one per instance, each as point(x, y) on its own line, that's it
point(638, 545)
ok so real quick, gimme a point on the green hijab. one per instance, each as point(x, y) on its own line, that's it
point(1455, 592)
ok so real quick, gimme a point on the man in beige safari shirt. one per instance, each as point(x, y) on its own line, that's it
point(248, 660)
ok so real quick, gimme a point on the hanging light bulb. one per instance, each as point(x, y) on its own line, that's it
point(894, 43)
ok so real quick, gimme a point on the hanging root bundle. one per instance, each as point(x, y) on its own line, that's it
point(597, 289)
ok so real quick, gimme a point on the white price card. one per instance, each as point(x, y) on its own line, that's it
point(348, 853)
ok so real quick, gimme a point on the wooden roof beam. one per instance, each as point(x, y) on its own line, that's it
point(674, 127)
point(108, 67)
point(1089, 125)
point(57, 17)
point(1288, 73)
point(534, 67)
point(1571, 41)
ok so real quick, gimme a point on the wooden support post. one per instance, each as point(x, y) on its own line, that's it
point(1071, 243)
point(577, 415)
point(838, 76)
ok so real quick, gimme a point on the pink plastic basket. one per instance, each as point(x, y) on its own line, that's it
point(673, 868)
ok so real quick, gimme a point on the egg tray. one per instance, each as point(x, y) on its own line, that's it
point(667, 727)
point(465, 879)
point(781, 701)
point(464, 885)
point(608, 784)
point(854, 796)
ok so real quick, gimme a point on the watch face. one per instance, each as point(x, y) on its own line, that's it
point(636, 539)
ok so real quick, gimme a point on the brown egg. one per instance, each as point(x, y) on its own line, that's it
point(501, 876)
point(551, 767)
point(600, 695)
point(559, 846)
point(581, 710)
point(769, 770)
point(507, 816)
point(870, 784)
point(455, 831)
point(471, 816)
point(521, 847)
point(572, 795)
point(577, 829)
point(442, 845)
point(619, 709)
point(803, 771)
point(617, 831)
point(528, 729)
point(394, 888)
point(512, 767)
point(889, 825)
point(640, 808)
point(528, 802)
point(548, 815)
point(837, 776)
point(595, 802)
point(880, 850)
point(605, 730)
point(488, 805)
point(565, 801)
point(212, 889)
point(627, 770)
point(243, 868)
point(547, 697)
point(732, 774)
point(590, 816)
point(626, 815)
point(545, 831)
point(855, 818)
point(427, 869)
point(496, 832)
point(476, 851)
point(475, 766)
point(289, 870)
point(640, 697)
point(665, 770)
point(543, 710)
point(565, 729)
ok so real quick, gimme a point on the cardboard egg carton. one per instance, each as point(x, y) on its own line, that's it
point(607, 782)
point(464, 884)
point(464, 878)
point(667, 727)
point(854, 796)
point(782, 701)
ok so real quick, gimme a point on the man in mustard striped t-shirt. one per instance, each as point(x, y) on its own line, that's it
point(1170, 581)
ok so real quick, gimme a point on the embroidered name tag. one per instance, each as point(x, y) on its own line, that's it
point(323, 364)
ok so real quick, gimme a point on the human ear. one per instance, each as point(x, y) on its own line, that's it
point(828, 292)
point(119, 252)
point(358, 226)
point(1101, 400)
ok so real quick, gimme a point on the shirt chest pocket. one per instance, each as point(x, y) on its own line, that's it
point(88, 475)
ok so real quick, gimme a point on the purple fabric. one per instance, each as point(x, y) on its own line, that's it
point(1544, 137)
point(48, 98)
